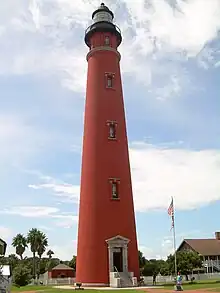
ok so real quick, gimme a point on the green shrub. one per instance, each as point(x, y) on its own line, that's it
point(21, 275)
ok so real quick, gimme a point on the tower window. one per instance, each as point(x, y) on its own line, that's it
point(107, 41)
point(109, 81)
point(111, 129)
point(115, 188)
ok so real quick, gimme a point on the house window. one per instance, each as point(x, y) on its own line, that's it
point(115, 194)
point(107, 41)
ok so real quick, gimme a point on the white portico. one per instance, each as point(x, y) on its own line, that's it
point(118, 262)
point(118, 254)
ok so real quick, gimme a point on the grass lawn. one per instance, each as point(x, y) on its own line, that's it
point(197, 285)
point(31, 288)
point(208, 284)
point(50, 289)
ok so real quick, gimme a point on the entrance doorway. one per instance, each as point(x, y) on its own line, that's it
point(118, 254)
point(118, 259)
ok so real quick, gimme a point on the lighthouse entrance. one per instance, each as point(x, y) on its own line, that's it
point(118, 260)
point(118, 254)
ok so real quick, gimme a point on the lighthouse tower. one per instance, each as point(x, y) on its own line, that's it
point(107, 252)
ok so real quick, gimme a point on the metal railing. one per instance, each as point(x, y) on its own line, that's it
point(117, 272)
point(88, 29)
point(212, 264)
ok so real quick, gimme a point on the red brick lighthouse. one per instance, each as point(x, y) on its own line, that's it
point(107, 252)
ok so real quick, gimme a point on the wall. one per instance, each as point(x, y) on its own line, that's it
point(58, 273)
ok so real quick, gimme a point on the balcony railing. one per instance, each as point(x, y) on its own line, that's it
point(212, 263)
point(89, 28)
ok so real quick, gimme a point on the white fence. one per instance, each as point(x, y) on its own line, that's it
point(147, 280)
point(168, 279)
point(56, 281)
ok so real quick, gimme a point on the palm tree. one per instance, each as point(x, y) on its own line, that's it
point(50, 253)
point(34, 239)
point(42, 245)
point(20, 244)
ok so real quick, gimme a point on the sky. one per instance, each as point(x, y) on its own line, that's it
point(171, 82)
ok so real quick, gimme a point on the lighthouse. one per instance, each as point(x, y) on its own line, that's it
point(107, 252)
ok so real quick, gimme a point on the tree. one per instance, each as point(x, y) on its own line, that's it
point(72, 263)
point(21, 275)
point(151, 268)
point(186, 262)
point(13, 261)
point(42, 245)
point(50, 253)
point(34, 239)
point(20, 244)
point(142, 259)
point(52, 263)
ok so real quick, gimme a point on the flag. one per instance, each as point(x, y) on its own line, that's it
point(171, 213)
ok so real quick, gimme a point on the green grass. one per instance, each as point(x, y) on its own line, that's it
point(208, 284)
point(56, 290)
point(197, 285)
point(51, 289)
point(31, 288)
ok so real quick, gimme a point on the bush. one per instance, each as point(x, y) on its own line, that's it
point(21, 275)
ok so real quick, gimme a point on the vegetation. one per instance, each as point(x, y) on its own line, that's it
point(21, 275)
point(186, 262)
point(24, 269)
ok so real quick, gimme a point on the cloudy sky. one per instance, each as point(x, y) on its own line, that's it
point(171, 78)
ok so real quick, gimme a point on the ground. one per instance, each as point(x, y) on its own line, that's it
point(200, 287)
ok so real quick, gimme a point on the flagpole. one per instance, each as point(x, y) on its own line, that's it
point(174, 240)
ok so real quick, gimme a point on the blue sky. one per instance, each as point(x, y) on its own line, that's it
point(171, 78)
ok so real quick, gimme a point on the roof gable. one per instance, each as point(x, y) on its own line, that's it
point(117, 239)
point(62, 266)
point(204, 247)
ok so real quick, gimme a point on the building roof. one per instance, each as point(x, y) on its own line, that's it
point(62, 266)
point(206, 247)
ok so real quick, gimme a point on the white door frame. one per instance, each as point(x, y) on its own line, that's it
point(118, 242)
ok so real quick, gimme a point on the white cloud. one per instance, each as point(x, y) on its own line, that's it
point(61, 219)
point(191, 177)
point(31, 211)
point(66, 191)
point(51, 33)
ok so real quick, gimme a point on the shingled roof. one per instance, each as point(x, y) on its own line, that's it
point(62, 266)
point(205, 247)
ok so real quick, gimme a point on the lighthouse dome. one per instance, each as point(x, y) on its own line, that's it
point(103, 13)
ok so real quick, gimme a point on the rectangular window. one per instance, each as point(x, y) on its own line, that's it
point(112, 131)
point(109, 81)
point(115, 194)
point(114, 188)
point(107, 41)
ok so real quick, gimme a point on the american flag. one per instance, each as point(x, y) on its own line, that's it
point(171, 213)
